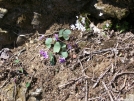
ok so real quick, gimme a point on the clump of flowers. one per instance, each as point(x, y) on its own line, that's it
point(80, 24)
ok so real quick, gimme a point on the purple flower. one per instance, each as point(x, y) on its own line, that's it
point(56, 36)
point(69, 46)
point(62, 60)
point(41, 37)
point(44, 54)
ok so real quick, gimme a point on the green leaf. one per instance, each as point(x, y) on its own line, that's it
point(21, 69)
point(16, 61)
point(52, 61)
point(57, 47)
point(64, 54)
point(61, 32)
point(66, 34)
point(48, 41)
point(27, 84)
point(63, 46)
point(48, 45)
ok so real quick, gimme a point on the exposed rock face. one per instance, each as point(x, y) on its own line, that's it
point(16, 16)
point(20, 14)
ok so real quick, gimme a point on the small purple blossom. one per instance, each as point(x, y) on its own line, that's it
point(69, 46)
point(41, 37)
point(56, 36)
point(62, 60)
point(44, 54)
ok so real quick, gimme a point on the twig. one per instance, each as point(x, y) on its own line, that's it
point(71, 82)
point(100, 77)
point(82, 68)
point(119, 74)
point(15, 92)
point(91, 99)
point(4, 83)
point(30, 83)
point(111, 98)
point(86, 96)
point(123, 86)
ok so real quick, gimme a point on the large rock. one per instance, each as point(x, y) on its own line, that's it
point(117, 9)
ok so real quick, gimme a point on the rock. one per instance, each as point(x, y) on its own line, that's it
point(32, 99)
point(108, 10)
point(2, 12)
point(6, 37)
point(8, 92)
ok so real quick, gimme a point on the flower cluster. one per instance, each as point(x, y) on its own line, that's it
point(80, 22)
point(44, 54)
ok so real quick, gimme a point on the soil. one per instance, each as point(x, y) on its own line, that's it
point(99, 68)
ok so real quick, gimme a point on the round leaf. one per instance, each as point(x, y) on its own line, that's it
point(61, 32)
point(57, 47)
point(48, 41)
point(67, 31)
point(64, 54)
point(66, 34)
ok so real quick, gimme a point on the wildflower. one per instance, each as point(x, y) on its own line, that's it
point(62, 60)
point(107, 25)
point(77, 17)
point(41, 37)
point(44, 54)
point(100, 14)
point(73, 27)
point(56, 36)
point(69, 46)
point(83, 20)
point(79, 26)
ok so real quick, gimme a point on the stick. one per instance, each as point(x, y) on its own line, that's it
point(111, 98)
point(119, 74)
point(71, 82)
point(86, 96)
point(91, 99)
point(100, 77)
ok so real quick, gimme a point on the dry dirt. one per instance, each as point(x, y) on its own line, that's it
point(99, 68)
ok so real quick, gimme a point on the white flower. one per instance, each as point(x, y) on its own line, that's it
point(83, 29)
point(79, 26)
point(96, 30)
point(77, 17)
point(100, 14)
point(83, 20)
point(92, 25)
point(73, 27)
point(107, 25)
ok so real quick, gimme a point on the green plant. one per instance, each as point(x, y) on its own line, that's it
point(122, 27)
point(57, 45)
